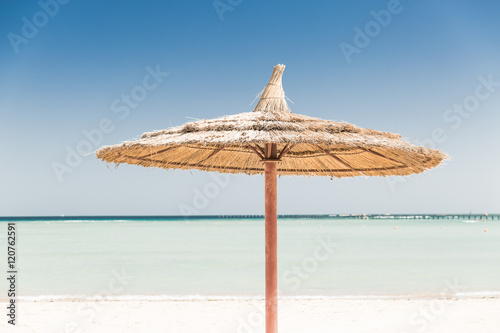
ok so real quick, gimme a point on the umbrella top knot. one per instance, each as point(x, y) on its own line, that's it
point(272, 98)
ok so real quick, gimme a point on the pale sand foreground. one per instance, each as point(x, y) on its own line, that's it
point(244, 316)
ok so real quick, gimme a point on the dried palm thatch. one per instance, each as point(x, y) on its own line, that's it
point(305, 145)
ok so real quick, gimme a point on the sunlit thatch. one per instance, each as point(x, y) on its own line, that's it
point(306, 145)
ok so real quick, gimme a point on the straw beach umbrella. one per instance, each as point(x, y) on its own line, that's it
point(271, 140)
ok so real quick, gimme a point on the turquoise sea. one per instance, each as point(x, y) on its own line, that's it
point(224, 258)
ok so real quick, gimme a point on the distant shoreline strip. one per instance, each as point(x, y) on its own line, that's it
point(480, 217)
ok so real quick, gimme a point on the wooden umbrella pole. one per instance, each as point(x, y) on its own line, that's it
point(271, 239)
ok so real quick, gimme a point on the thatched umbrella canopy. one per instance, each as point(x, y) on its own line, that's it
point(271, 140)
point(306, 145)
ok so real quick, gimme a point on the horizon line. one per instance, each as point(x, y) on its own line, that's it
point(236, 216)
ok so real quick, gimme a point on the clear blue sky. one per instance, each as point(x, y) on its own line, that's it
point(66, 67)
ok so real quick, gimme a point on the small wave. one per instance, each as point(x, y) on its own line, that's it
point(159, 298)
point(479, 294)
point(151, 298)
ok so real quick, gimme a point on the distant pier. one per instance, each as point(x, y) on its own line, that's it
point(472, 217)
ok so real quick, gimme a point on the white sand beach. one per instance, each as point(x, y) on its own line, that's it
point(244, 316)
